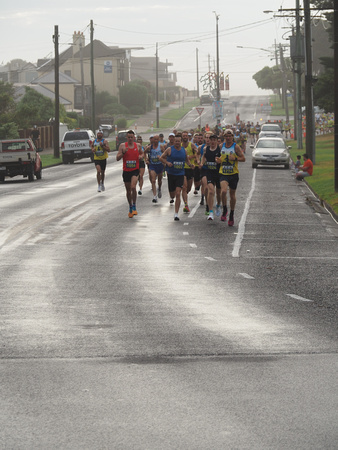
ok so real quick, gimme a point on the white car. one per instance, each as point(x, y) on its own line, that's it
point(270, 130)
point(270, 152)
point(77, 144)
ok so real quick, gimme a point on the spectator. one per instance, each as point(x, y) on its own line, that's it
point(297, 164)
point(306, 168)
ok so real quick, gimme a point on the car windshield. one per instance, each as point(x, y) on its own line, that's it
point(267, 143)
point(76, 136)
point(6, 146)
point(271, 128)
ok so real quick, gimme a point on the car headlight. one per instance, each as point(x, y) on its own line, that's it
point(284, 153)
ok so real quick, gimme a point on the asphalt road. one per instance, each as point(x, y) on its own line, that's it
point(147, 333)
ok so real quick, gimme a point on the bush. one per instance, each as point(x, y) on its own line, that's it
point(114, 109)
point(9, 131)
point(136, 110)
point(121, 123)
point(164, 103)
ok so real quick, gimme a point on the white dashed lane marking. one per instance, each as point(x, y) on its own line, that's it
point(245, 275)
point(298, 297)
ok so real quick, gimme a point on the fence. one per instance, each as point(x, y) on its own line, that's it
point(46, 136)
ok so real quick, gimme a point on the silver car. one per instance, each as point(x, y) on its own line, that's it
point(270, 130)
point(270, 152)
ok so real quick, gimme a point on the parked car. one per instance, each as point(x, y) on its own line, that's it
point(270, 151)
point(270, 130)
point(19, 157)
point(76, 144)
point(121, 137)
point(206, 99)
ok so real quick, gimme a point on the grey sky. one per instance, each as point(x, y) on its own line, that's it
point(26, 30)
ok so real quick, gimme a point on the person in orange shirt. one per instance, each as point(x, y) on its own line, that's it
point(306, 168)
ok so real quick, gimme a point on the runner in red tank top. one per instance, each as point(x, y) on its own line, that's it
point(130, 152)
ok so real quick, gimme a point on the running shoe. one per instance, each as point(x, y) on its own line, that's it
point(103, 187)
point(207, 210)
point(130, 214)
point(99, 188)
point(172, 200)
point(155, 199)
point(176, 217)
point(140, 192)
point(159, 193)
point(224, 217)
point(186, 208)
point(134, 210)
point(211, 216)
point(231, 220)
point(218, 211)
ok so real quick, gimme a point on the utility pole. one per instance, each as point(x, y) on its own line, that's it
point(299, 59)
point(198, 82)
point(284, 81)
point(57, 95)
point(335, 33)
point(82, 80)
point(92, 74)
point(157, 99)
point(310, 126)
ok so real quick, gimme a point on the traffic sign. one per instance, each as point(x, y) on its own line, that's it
point(199, 110)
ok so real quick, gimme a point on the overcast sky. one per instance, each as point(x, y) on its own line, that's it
point(26, 30)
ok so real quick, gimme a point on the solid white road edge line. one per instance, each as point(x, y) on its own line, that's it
point(241, 226)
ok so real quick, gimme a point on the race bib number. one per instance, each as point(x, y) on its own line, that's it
point(131, 164)
point(227, 170)
point(155, 160)
point(99, 151)
point(211, 165)
point(178, 165)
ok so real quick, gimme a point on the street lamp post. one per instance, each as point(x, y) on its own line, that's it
point(157, 70)
point(157, 96)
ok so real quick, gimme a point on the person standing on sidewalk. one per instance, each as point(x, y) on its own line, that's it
point(130, 152)
point(100, 148)
point(231, 153)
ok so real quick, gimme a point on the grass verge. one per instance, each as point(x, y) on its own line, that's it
point(322, 180)
point(49, 160)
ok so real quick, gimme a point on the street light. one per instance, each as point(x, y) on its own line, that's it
point(156, 68)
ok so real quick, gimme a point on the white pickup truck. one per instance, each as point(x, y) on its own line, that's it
point(19, 157)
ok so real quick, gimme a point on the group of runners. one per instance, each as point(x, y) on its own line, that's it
point(207, 160)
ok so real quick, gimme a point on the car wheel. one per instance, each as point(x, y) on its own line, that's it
point(39, 174)
point(31, 173)
point(2, 178)
point(287, 166)
point(64, 159)
point(254, 165)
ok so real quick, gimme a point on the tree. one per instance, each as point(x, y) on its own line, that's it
point(322, 91)
point(102, 99)
point(326, 5)
point(133, 94)
point(7, 104)
point(35, 109)
point(8, 128)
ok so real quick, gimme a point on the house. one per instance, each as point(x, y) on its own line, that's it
point(144, 68)
point(111, 68)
